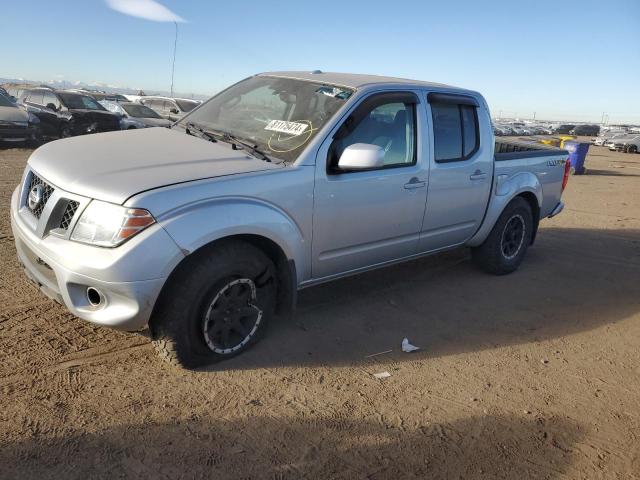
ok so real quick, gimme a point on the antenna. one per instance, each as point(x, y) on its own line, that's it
point(173, 65)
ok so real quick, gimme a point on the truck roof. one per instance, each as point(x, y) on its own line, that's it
point(355, 80)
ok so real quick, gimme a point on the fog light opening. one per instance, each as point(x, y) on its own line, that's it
point(94, 297)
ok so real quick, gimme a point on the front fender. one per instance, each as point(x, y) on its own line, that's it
point(198, 224)
point(505, 189)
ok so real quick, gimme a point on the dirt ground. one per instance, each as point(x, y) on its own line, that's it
point(531, 375)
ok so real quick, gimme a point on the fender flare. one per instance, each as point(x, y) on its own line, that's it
point(195, 225)
point(505, 189)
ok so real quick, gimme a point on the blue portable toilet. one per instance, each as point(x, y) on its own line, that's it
point(577, 155)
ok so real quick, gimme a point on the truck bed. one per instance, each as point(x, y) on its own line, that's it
point(515, 157)
point(514, 149)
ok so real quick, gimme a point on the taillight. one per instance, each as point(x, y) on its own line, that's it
point(567, 170)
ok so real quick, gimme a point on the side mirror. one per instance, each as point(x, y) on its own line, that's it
point(51, 106)
point(361, 156)
point(174, 111)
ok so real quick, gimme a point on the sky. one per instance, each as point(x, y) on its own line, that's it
point(563, 60)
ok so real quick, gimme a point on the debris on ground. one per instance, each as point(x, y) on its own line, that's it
point(379, 353)
point(382, 375)
point(407, 347)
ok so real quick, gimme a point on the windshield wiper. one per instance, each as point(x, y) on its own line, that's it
point(252, 147)
point(236, 143)
point(190, 126)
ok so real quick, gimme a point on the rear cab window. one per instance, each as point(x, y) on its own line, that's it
point(455, 127)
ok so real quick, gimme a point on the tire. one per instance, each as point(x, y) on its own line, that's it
point(65, 132)
point(215, 306)
point(632, 149)
point(503, 250)
point(36, 140)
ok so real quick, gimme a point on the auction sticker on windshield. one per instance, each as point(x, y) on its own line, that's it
point(282, 126)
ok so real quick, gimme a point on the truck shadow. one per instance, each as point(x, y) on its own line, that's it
point(610, 173)
point(572, 280)
point(312, 447)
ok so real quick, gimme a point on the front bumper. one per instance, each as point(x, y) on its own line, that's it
point(64, 270)
point(17, 134)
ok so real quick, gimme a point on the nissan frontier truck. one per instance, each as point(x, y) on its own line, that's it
point(204, 231)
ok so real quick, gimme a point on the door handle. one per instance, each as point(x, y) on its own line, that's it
point(415, 182)
point(477, 175)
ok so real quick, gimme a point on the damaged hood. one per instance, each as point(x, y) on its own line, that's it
point(114, 166)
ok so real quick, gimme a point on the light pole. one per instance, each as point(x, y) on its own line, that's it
point(173, 65)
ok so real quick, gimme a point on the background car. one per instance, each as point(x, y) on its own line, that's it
point(65, 114)
point(134, 115)
point(564, 128)
point(603, 138)
point(585, 130)
point(170, 108)
point(111, 97)
point(626, 144)
point(16, 125)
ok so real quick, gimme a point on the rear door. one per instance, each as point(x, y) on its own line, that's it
point(35, 103)
point(49, 119)
point(363, 218)
point(461, 170)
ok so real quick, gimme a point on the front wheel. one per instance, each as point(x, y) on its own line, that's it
point(65, 132)
point(215, 306)
point(505, 247)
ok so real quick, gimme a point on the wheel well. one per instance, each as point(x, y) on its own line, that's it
point(285, 268)
point(532, 200)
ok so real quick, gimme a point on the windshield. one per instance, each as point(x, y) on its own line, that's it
point(186, 105)
point(74, 100)
point(136, 110)
point(5, 102)
point(279, 115)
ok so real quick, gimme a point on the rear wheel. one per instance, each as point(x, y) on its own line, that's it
point(505, 247)
point(632, 149)
point(216, 306)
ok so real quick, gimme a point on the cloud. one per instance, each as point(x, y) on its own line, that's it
point(147, 9)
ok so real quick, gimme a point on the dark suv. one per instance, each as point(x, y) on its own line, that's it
point(65, 114)
point(564, 128)
point(585, 130)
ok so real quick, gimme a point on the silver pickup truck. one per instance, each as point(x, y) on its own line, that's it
point(284, 180)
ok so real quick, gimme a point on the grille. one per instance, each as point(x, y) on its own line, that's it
point(47, 190)
point(68, 214)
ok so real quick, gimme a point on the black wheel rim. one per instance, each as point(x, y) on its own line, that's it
point(232, 318)
point(513, 237)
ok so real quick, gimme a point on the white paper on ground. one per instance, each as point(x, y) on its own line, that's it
point(407, 347)
point(382, 375)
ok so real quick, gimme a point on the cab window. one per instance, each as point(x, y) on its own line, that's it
point(387, 121)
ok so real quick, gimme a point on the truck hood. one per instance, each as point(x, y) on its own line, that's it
point(13, 114)
point(114, 166)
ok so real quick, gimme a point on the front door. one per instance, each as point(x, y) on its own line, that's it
point(363, 218)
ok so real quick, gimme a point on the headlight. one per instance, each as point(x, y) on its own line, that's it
point(108, 225)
